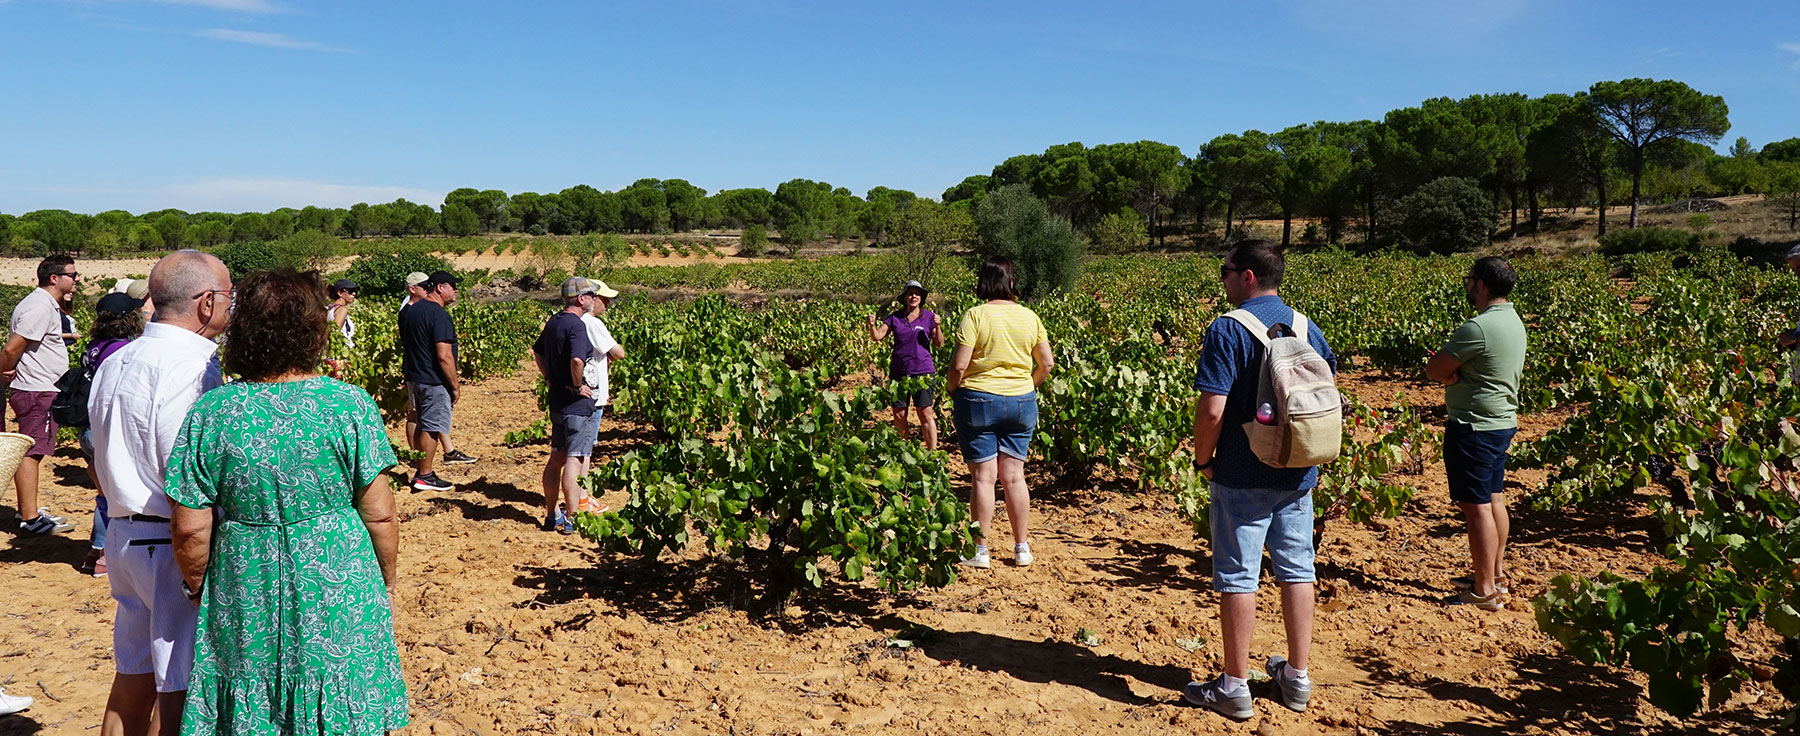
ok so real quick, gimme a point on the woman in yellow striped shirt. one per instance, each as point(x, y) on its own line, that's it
point(1002, 355)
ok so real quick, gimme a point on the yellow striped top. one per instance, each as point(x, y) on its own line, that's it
point(1001, 336)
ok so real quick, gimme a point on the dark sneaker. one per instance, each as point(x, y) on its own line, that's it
point(45, 524)
point(430, 482)
point(1211, 696)
point(1294, 692)
point(559, 523)
point(94, 557)
point(457, 457)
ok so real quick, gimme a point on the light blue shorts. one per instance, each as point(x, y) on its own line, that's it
point(1247, 521)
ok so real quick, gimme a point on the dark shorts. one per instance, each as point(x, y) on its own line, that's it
point(32, 409)
point(433, 406)
point(990, 424)
point(574, 434)
point(924, 397)
point(1475, 461)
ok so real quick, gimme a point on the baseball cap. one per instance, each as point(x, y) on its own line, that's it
point(136, 288)
point(415, 278)
point(442, 277)
point(118, 302)
point(602, 289)
point(576, 286)
point(343, 285)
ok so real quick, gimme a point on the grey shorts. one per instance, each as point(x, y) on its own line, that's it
point(574, 434)
point(432, 403)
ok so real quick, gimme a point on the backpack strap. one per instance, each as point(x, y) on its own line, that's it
point(1299, 326)
point(1257, 329)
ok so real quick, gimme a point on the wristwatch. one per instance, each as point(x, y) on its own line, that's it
point(193, 595)
point(1204, 465)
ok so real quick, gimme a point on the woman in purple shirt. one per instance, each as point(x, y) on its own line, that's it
point(916, 331)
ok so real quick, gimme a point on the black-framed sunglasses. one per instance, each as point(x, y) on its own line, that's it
point(74, 275)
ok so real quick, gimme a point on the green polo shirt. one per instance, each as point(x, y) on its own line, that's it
point(1491, 348)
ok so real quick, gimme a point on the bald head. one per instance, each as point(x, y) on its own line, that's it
point(179, 277)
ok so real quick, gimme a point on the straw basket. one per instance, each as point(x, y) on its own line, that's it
point(12, 451)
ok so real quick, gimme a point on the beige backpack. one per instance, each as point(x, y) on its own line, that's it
point(1298, 385)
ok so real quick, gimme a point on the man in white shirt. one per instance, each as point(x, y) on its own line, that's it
point(139, 399)
point(34, 357)
point(594, 371)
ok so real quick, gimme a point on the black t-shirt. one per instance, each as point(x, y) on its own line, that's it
point(564, 338)
point(422, 327)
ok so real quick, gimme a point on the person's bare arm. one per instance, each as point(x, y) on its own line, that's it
point(1209, 416)
point(190, 534)
point(1045, 361)
point(937, 335)
point(16, 345)
point(446, 354)
point(576, 365)
point(616, 353)
point(878, 331)
point(375, 504)
point(959, 364)
point(1443, 368)
point(339, 315)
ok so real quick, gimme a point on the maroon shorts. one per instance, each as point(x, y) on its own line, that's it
point(32, 410)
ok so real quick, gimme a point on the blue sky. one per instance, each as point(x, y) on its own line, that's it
point(254, 104)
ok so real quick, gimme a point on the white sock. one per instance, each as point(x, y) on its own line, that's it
point(1233, 686)
point(1021, 547)
point(1294, 674)
point(980, 549)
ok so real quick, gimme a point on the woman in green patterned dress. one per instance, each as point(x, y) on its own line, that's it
point(296, 634)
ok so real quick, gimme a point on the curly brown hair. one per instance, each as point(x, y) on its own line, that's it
point(279, 326)
point(109, 326)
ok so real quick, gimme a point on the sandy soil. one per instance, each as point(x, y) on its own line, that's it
point(507, 629)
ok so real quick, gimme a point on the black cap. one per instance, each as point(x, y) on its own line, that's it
point(442, 277)
point(118, 303)
point(343, 285)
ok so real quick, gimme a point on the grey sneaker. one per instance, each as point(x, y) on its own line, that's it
point(45, 523)
point(1294, 693)
point(1210, 695)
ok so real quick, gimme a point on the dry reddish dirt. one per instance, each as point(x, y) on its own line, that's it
point(506, 629)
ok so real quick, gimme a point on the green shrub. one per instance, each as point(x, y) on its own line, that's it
point(754, 241)
point(1045, 250)
point(384, 274)
point(1120, 231)
point(1648, 240)
point(246, 256)
point(1446, 215)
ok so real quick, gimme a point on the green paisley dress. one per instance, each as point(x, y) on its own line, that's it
point(296, 634)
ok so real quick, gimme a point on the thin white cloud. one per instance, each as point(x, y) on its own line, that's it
point(1791, 47)
point(238, 6)
point(259, 38)
point(262, 195)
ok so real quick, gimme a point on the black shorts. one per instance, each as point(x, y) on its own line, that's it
point(922, 398)
point(1475, 461)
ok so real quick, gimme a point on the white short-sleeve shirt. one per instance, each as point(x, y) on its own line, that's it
point(594, 372)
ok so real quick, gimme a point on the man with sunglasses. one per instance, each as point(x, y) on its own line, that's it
point(35, 356)
point(140, 397)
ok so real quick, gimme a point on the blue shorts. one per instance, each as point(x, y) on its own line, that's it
point(574, 434)
point(990, 424)
point(1247, 521)
point(1475, 461)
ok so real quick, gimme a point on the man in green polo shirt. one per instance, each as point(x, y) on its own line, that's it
point(1480, 368)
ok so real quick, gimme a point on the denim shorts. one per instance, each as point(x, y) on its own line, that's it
point(1245, 521)
point(432, 403)
point(574, 434)
point(1475, 461)
point(989, 424)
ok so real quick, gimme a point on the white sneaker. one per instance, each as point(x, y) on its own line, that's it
point(979, 561)
point(10, 704)
point(1021, 554)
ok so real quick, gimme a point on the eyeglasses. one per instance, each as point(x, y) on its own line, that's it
point(73, 275)
point(231, 293)
point(1225, 270)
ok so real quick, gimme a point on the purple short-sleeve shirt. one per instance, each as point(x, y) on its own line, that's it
point(912, 344)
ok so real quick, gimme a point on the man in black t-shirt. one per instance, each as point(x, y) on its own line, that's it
point(561, 352)
point(428, 362)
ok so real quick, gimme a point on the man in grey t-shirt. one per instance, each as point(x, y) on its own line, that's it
point(34, 357)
